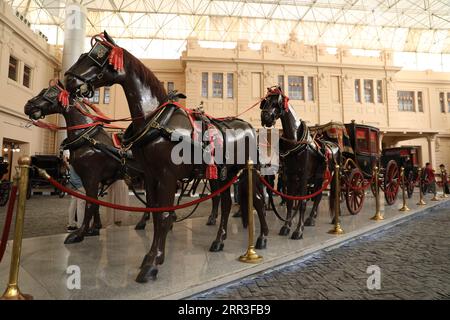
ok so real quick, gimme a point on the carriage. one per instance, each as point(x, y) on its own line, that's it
point(54, 165)
point(406, 157)
point(360, 148)
point(5, 186)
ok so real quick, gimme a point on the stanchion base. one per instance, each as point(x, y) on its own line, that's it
point(404, 208)
point(13, 293)
point(421, 203)
point(251, 256)
point(337, 230)
point(435, 199)
point(377, 217)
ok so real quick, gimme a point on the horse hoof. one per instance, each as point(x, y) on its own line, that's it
point(92, 232)
point(261, 243)
point(237, 214)
point(310, 222)
point(146, 273)
point(216, 246)
point(284, 231)
point(140, 226)
point(296, 235)
point(74, 238)
point(211, 221)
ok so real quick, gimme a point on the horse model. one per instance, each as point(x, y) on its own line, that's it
point(304, 161)
point(92, 152)
point(156, 130)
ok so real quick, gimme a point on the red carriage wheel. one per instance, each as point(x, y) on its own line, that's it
point(391, 182)
point(354, 192)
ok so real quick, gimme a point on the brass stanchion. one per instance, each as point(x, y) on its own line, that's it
point(337, 230)
point(250, 256)
point(377, 216)
point(402, 177)
point(443, 176)
point(12, 291)
point(421, 201)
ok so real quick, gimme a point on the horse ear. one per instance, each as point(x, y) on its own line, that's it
point(60, 84)
point(108, 38)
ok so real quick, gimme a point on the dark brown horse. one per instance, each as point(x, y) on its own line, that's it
point(303, 160)
point(107, 64)
point(96, 167)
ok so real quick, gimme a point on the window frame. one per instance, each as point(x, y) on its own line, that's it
point(17, 66)
point(205, 85)
point(96, 98)
point(357, 93)
point(300, 84)
point(404, 93)
point(442, 101)
point(311, 89)
point(379, 91)
point(30, 76)
point(230, 75)
point(371, 91)
point(106, 90)
point(220, 87)
point(419, 101)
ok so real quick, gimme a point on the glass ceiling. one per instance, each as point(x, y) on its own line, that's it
point(149, 26)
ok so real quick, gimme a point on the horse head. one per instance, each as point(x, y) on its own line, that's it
point(273, 106)
point(51, 100)
point(101, 66)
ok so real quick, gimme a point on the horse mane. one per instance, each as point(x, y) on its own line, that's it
point(147, 76)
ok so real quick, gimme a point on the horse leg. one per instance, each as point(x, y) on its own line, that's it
point(215, 205)
point(91, 191)
point(162, 223)
point(285, 229)
point(311, 220)
point(94, 230)
point(225, 206)
point(143, 222)
point(303, 189)
point(97, 221)
point(258, 203)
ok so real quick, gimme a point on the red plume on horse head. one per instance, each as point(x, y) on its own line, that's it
point(115, 57)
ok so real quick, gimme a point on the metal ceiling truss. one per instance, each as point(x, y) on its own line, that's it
point(401, 25)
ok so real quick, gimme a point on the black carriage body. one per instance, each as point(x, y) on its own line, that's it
point(54, 166)
point(406, 157)
point(365, 143)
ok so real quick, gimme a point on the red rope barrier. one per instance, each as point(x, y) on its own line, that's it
point(309, 196)
point(59, 186)
point(8, 220)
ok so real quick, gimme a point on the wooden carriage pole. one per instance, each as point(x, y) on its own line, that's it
point(337, 230)
point(377, 216)
point(12, 291)
point(402, 177)
point(443, 176)
point(250, 256)
point(421, 201)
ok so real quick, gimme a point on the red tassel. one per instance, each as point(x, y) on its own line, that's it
point(116, 58)
point(211, 172)
point(63, 98)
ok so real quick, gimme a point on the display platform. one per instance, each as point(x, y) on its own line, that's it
point(109, 263)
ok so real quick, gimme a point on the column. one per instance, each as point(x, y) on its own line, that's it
point(74, 42)
point(432, 150)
